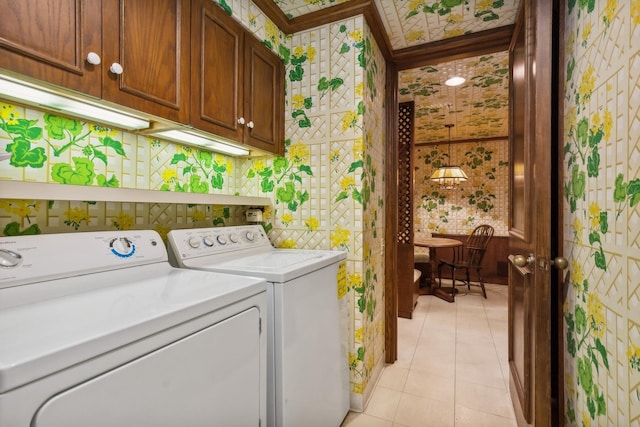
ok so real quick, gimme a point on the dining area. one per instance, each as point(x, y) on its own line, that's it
point(464, 257)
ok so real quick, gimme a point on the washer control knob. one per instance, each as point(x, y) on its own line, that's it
point(250, 236)
point(122, 247)
point(194, 242)
point(222, 240)
point(208, 241)
point(9, 258)
point(234, 238)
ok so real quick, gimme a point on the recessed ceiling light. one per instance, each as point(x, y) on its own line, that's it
point(455, 81)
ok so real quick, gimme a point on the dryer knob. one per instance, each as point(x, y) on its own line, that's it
point(222, 240)
point(234, 238)
point(9, 258)
point(194, 242)
point(122, 247)
point(208, 241)
point(250, 236)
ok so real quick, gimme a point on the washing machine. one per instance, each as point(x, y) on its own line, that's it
point(97, 329)
point(308, 372)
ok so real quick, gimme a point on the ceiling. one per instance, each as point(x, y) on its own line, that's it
point(479, 107)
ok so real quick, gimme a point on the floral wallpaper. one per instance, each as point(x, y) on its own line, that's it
point(43, 147)
point(478, 108)
point(327, 188)
point(483, 199)
point(23, 216)
point(602, 212)
point(413, 22)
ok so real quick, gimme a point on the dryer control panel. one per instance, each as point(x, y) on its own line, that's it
point(30, 259)
point(216, 241)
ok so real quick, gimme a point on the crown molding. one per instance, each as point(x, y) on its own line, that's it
point(474, 44)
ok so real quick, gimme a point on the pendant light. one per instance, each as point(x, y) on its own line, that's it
point(449, 176)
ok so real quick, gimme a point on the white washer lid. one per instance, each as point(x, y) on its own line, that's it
point(41, 337)
point(277, 265)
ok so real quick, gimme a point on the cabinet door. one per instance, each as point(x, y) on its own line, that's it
point(151, 42)
point(216, 86)
point(264, 97)
point(50, 39)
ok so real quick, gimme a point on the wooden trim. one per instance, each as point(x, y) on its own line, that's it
point(329, 15)
point(459, 141)
point(379, 32)
point(391, 228)
point(560, 288)
point(483, 42)
point(273, 12)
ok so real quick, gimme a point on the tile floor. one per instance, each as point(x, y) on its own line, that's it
point(451, 368)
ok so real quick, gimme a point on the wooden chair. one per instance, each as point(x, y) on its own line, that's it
point(468, 257)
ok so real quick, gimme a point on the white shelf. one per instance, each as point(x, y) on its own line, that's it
point(45, 191)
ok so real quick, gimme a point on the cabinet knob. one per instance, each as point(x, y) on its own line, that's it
point(241, 121)
point(250, 125)
point(116, 68)
point(93, 58)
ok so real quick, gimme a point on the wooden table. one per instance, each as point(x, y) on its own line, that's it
point(434, 243)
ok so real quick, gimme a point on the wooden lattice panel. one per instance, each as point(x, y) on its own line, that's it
point(405, 169)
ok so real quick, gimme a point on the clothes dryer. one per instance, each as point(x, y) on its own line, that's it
point(308, 374)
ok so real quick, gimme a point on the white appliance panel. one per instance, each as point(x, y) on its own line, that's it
point(313, 387)
point(18, 406)
point(209, 378)
point(51, 256)
point(58, 332)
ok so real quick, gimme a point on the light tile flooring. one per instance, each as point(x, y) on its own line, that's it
point(451, 368)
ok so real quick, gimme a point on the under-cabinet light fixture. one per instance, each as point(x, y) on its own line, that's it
point(39, 96)
point(187, 137)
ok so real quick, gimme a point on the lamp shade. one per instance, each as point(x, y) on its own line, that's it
point(449, 176)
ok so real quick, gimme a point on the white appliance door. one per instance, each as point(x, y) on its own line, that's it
point(312, 377)
point(210, 378)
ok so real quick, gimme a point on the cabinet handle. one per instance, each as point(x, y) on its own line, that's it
point(93, 58)
point(241, 121)
point(250, 125)
point(116, 68)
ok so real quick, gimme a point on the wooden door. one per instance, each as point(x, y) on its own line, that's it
point(49, 40)
point(533, 214)
point(151, 42)
point(263, 97)
point(218, 71)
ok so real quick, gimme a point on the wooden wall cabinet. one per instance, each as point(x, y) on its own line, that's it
point(50, 40)
point(151, 42)
point(191, 64)
point(237, 86)
point(143, 51)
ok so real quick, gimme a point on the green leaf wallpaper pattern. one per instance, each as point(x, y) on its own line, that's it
point(601, 195)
